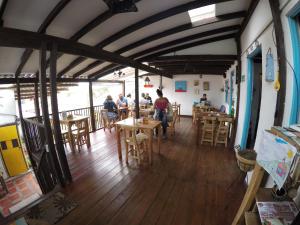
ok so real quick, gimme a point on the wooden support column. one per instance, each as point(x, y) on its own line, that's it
point(36, 100)
point(137, 101)
point(238, 82)
point(55, 116)
point(45, 114)
point(275, 9)
point(160, 82)
point(123, 88)
point(92, 111)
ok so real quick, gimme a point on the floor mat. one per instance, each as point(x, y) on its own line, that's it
point(51, 210)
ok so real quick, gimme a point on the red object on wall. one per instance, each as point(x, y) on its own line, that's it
point(148, 85)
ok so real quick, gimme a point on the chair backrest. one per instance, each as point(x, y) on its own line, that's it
point(209, 121)
point(104, 113)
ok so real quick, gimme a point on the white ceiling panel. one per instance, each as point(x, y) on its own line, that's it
point(232, 6)
point(81, 66)
point(97, 68)
point(227, 46)
point(183, 34)
point(27, 14)
point(123, 20)
point(74, 16)
point(10, 59)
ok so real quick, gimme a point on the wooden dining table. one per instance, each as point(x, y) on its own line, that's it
point(69, 122)
point(148, 128)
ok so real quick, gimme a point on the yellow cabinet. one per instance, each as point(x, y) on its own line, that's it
point(11, 150)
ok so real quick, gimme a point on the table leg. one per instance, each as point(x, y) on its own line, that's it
point(159, 134)
point(71, 139)
point(119, 142)
point(198, 131)
point(87, 134)
point(150, 145)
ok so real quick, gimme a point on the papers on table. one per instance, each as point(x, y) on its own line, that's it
point(277, 213)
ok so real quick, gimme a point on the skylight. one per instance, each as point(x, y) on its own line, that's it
point(202, 13)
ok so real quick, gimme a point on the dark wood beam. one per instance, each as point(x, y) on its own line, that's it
point(137, 95)
point(195, 67)
point(156, 18)
point(72, 64)
point(279, 34)
point(186, 39)
point(189, 45)
point(2, 10)
point(250, 11)
point(192, 58)
point(42, 29)
point(55, 116)
point(188, 63)
point(171, 43)
point(100, 73)
point(86, 69)
point(25, 39)
point(200, 71)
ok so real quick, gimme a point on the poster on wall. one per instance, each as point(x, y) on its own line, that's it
point(206, 86)
point(196, 83)
point(276, 156)
point(181, 86)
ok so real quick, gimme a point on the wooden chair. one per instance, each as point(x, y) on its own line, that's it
point(171, 124)
point(208, 129)
point(107, 123)
point(223, 130)
point(80, 134)
point(136, 144)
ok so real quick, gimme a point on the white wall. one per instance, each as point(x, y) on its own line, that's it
point(186, 99)
point(260, 28)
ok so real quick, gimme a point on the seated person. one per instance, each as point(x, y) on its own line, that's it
point(111, 108)
point(223, 109)
point(148, 98)
point(122, 102)
point(204, 98)
point(143, 100)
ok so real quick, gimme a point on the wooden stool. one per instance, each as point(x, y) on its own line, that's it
point(208, 129)
point(223, 130)
point(107, 123)
point(80, 135)
point(136, 144)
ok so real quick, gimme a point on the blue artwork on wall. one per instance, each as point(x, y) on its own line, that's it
point(180, 86)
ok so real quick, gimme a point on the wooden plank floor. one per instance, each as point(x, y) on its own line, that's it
point(186, 184)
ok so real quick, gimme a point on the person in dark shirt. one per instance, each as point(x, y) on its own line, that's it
point(148, 98)
point(204, 98)
point(111, 107)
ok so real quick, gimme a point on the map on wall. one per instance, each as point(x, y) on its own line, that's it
point(276, 156)
point(180, 86)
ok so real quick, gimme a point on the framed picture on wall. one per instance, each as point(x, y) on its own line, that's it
point(196, 83)
point(197, 91)
point(181, 86)
point(206, 86)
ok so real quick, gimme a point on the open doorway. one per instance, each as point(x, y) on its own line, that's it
point(253, 98)
point(256, 99)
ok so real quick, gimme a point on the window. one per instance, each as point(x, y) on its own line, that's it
point(3, 145)
point(202, 13)
point(15, 143)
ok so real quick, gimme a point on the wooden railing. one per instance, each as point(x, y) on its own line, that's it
point(84, 112)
